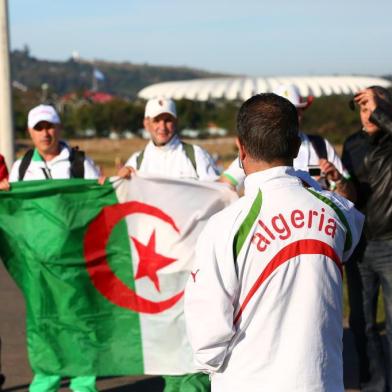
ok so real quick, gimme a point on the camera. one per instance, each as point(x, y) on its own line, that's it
point(314, 170)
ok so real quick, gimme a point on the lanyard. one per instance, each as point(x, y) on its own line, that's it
point(46, 171)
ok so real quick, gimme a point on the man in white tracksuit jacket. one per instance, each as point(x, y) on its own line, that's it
point(263, 305)
point(312, 156)
point(51, 158)
point(165, 154)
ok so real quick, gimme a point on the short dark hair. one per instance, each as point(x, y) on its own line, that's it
point(382, 93)
point(267, 126)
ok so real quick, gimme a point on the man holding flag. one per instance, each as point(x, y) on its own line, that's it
point(51, 158)
point(316, 155)
point(166, 155)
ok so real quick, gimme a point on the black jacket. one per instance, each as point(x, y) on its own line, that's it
point(368, 158)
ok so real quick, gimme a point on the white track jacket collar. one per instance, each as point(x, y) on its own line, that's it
point(57, 168)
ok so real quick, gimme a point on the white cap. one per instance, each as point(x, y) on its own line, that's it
point(291, 92)
point(42, 113)
point(157, 106)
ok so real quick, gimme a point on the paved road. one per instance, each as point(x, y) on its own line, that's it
point(16, 368)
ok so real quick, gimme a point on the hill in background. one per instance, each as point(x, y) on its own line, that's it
point(121, 79)
point(67, 81)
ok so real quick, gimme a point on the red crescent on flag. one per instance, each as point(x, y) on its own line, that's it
point(101, 275)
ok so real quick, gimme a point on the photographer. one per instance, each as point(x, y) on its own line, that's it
point(367, 155)
point(316, 155)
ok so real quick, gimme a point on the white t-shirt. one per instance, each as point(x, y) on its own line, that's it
point(307, 156)
point(57, 168)
point(171, 160)
point(263, 305)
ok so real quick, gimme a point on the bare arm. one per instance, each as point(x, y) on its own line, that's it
point(126, 172)
point(344, 187)
point(4, 185)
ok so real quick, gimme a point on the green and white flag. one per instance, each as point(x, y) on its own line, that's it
point(103, 269)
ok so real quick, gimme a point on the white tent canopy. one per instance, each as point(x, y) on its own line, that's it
point(242, 88)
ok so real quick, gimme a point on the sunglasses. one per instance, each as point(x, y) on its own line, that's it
point(43, 125)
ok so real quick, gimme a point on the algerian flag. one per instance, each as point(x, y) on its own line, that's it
point(103, 269)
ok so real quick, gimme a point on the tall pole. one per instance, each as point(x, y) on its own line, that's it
point(6, 122)
point(94, 84)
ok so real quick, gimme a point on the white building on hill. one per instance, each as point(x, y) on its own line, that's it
point(242, 88)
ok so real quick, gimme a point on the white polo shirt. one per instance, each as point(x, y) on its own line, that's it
point(57, 168)
point(263, 305)
point(307, 156)
point(171, 160)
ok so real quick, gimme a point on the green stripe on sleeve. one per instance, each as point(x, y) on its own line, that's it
point(348, 242)
point(246, 225)
point(232, 180)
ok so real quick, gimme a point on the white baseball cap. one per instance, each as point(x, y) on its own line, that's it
point(291, 92)
point(42, 113)
point(157, 106)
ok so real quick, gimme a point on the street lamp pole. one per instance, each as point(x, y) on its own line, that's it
point(6, 121)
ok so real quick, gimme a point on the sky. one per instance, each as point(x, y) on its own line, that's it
point(244, 37)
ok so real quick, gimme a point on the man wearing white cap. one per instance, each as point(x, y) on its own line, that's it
point(316, 155)
point(166, 154)
point(51, 158)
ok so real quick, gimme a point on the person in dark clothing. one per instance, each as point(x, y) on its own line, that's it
point(367, 155)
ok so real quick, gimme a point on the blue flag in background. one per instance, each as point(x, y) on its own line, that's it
point(98, 75)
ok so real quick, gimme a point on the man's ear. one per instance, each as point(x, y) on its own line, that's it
point(241, 150)
point(59, 128)
point(296, 146)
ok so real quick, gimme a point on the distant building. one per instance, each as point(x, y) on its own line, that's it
point(98, 96)
point(88, 95)
point(190, 133)
point(242, 88)
point(215, 130)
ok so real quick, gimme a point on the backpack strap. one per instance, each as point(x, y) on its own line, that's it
point(190, 154)
point(25, 163)
point(76, 159)
point(319, 146)
point(139, 159)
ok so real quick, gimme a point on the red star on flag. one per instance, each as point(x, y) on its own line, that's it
point(150, 261)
